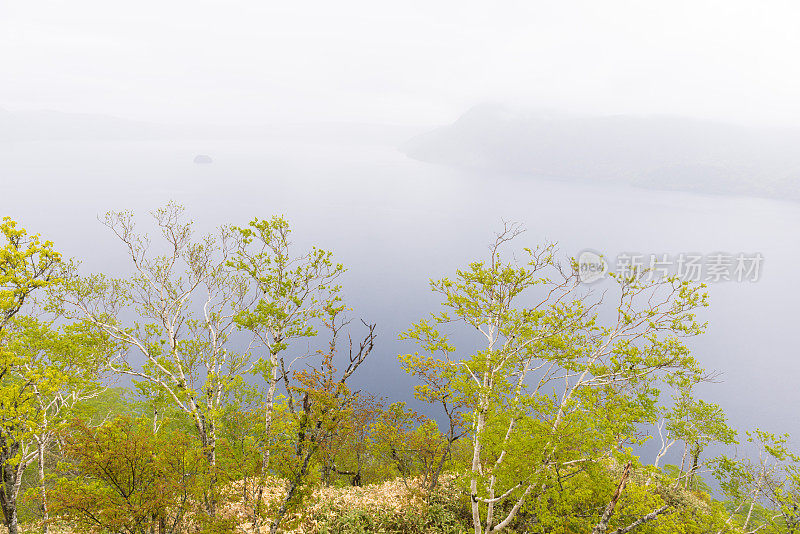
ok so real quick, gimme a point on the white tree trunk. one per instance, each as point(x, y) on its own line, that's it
point(42, 490)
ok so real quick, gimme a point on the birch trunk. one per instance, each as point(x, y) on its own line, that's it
point(42, 489)
point(268, 415)
point(476, 460)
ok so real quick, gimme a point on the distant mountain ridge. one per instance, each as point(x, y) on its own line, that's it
point(26, 126)
point(651, 152)
point(55, 125)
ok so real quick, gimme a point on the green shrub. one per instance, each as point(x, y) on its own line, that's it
point(436, 517)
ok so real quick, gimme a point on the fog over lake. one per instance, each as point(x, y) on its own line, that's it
point(396, 222)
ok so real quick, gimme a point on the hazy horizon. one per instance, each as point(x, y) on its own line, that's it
point(413, 63)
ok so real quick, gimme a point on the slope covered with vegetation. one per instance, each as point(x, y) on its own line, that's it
point(653, 152)
point(242, 418)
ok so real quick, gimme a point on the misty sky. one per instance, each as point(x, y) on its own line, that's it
point(417, 62)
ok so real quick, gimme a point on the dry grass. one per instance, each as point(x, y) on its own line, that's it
point(393, 497)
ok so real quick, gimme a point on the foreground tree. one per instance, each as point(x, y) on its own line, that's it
point(292, 293)
point(761, 491)
point(123, 478)
point(176, 313)
point(556, 387)
point(697, 424)
point(349, 450)
point(44, 370)
point(437, 387)
point(27, 265)
point(318, 402)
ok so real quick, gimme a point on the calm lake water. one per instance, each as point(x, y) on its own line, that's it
point(396, 222)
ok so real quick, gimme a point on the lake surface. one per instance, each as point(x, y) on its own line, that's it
point(396, 222)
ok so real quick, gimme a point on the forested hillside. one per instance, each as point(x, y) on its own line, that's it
point(209, 387)
point(655, 152)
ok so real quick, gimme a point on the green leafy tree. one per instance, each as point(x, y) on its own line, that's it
point(318, 402)
point(45, 370)
point(697, 424)
point(555, 385)
point(240, 456)
point(437, 379)
point(176, 313)
point(760, 490)
point(120, 477)
point(349, 451)
point(783, 494)
point(27, 264)
point(393, 432)
point(292, 294)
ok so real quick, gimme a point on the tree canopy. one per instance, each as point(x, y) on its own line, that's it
point(212, 390)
